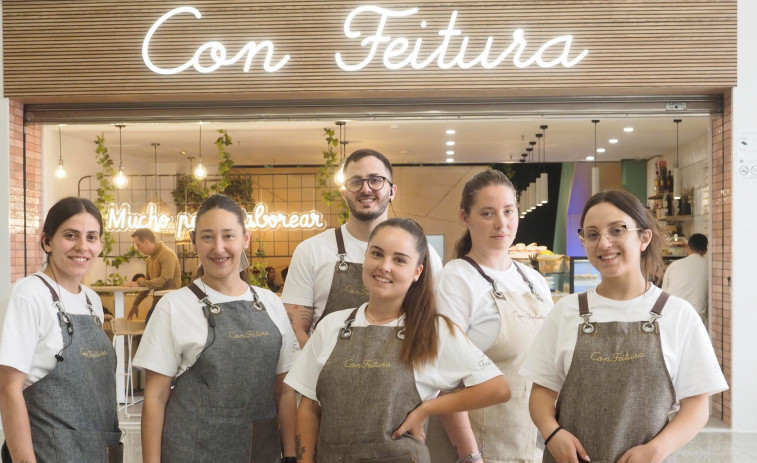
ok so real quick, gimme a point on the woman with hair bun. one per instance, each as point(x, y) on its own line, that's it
point(610, 365)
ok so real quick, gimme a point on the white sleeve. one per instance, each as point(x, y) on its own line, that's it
point(666, 279)
point(542, 365)
point(459, 361)
point(290, 348)
point(454, 298)
point(299, 287)
point(303, 376)
point(436, 265)
point(157, 350)
point(20, 319)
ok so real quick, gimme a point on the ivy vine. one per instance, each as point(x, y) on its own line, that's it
point(225, 164)
point(326, 173)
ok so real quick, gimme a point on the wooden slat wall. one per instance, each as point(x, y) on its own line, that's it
point(90, 50)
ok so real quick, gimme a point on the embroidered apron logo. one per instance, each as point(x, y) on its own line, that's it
point(529, 316)
point(247, 334)
point(93, 354)
point(354, 290)
point(617, 357)
point(367, 363)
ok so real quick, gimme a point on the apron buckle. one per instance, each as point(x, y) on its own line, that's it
point(588, 327)
point(343, 266)
point(651, 325)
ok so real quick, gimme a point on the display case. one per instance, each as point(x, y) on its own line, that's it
point(583, 275)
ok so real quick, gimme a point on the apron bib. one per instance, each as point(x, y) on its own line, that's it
point(73, 411)
point(217, 407)
point(347, 290)
point(359, 426)
point(504, 432)
point(618, 392)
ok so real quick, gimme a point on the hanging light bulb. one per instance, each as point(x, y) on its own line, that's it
point(199, 172)
point(595, 169)
point(544, 176)
point(120, 180)
point(676, 179)
point(60, 171)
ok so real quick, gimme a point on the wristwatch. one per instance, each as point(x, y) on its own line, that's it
point(289, 460)
point(475, 456)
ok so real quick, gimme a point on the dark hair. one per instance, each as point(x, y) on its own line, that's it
point(221, 202)
point(419, 305)
point(651, 257)
point(137, 276)
point(475, 184)
point(698, 242)
point(64, 210)
point(364, 153)
point(144, 234)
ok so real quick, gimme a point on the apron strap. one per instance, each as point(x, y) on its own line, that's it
point(656, 312)
point(341, 251)
point(346, 331)
point(208, 308)
point(491, 281)
point(62, 313)
point(528, 282)
point(583, 310)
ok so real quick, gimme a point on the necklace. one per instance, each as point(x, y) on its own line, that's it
point(382, 321)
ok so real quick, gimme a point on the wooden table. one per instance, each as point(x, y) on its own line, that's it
point(118, 312)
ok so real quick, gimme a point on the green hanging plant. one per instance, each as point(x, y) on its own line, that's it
point(225, 164)
point(326, 173)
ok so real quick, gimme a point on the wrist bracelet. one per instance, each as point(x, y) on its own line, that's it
point(546, 441)
point(475, 456)
point(289, 460)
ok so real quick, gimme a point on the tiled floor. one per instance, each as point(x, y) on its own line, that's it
point(715, 444)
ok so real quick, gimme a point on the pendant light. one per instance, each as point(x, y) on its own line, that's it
point(523, 202)
point(339, 177)
point(544, 176)
point(60, 171)
point(199, 172)
point(595, 169)
point(120, 180)
point(676, 177)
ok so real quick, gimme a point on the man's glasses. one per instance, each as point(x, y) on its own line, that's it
point(616, 235)
point(375, 183)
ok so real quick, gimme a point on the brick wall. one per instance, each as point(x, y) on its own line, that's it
point(29, 208)
point(720, 247)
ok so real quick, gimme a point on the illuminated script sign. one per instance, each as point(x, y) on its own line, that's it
point(121, 218)
point(393, 52)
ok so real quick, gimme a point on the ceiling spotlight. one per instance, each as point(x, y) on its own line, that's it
point(628, 129)
point(600, 150)
point(450, 159)
point(589, 158)
point(613, 140)
point(450, 153)
point(450, 132)
point(450, 143)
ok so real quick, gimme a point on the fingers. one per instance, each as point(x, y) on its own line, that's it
point(581, 450)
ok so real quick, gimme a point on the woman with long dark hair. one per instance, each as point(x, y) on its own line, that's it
point(370, 376)
point(610, 365)
point(501, 305)
point(228, 346)
point(57, 366)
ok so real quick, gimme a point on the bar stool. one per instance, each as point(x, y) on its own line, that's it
point(127, 329)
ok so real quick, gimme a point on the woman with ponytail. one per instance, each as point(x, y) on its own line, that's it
point(370, 376)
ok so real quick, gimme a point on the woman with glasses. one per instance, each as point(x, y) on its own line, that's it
point(370, 376)
point(610, 365)
point(501, 305)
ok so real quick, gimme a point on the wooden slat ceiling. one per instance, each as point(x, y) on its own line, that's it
point(90, 50)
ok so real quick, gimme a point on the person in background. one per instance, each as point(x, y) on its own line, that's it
point(610, 365)
point(501, 305)
point(271, 279)
point(57, 387)
point(325, 271)
point(688, 278)
point(370, 376)
point(162, 269)
point(284, 272)
point(228, 346)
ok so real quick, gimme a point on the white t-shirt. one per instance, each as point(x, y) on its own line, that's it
point(30, 336)
point(178, 330)
point(688, 278)
point(459, 361)
point(465, 297)
point(686, 347)
point(312, 268)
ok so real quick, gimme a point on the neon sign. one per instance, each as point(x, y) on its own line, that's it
point(120, 218)
point(395, 52)
point(215, 50)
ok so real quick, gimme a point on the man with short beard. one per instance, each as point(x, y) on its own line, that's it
point(325, 274)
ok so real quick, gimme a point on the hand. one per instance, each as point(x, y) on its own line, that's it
point(131, 284)
point(133, 313)
point(641, 453)
point(413, 425)
point(566, 448)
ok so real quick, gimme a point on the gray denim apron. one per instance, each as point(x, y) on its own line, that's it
point(218, 402)
point(347, 289)
point(618, 392)
point(504, 432)
point(366, 392)
point(72, 410)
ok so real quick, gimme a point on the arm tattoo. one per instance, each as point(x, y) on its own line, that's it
point(298, 448)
